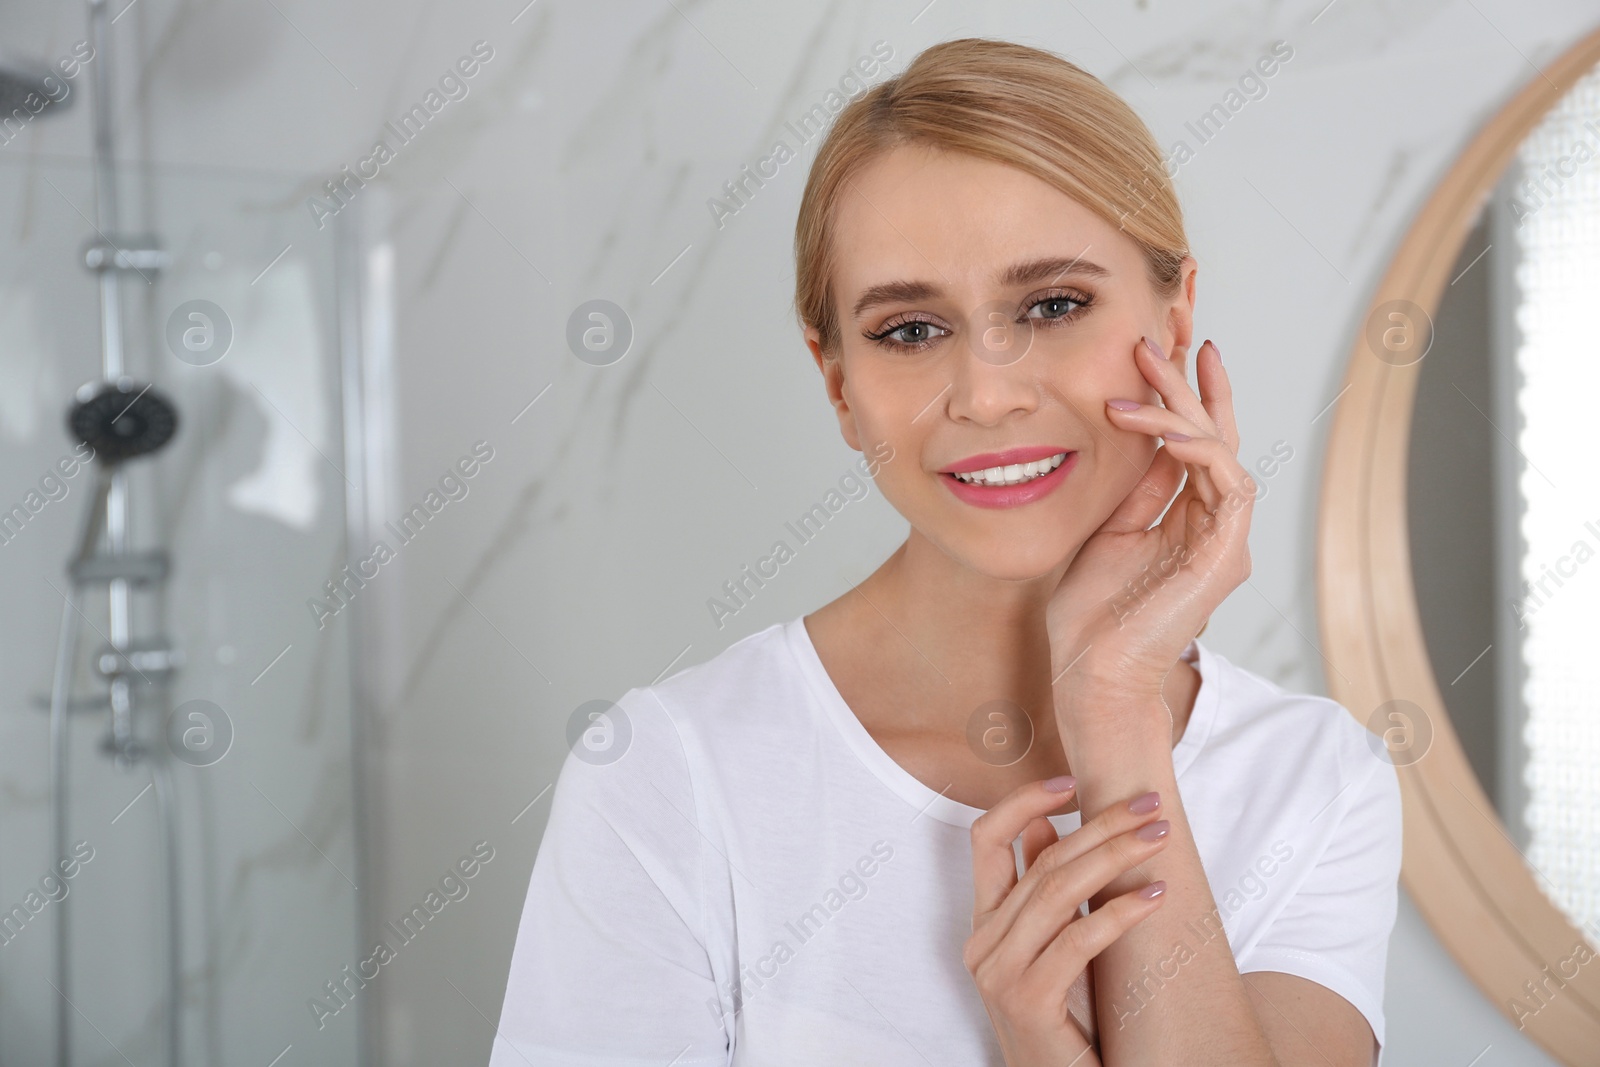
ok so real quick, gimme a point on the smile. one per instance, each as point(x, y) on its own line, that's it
point(1014, 473)
point(1011, 485)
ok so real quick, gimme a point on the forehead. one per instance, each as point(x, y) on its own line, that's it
point(957, 221)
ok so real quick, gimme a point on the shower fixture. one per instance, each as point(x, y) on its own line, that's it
point(122, 420)
point(119, 426)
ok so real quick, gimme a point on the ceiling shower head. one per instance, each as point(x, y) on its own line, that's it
point(122, 419)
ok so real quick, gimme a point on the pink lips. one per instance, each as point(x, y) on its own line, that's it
point(1026, 454)
point(1008, 496)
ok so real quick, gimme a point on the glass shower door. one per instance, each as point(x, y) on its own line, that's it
point(244, 331)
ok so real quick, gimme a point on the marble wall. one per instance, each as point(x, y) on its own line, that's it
point(584, 158)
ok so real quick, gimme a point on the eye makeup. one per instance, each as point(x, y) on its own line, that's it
point(920, 322)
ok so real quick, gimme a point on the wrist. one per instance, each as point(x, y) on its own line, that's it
point(1103, 707)
point(1096, 677)
point(1115, 739)
point(1116, 779)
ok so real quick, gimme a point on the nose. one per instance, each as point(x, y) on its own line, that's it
point(990, 369)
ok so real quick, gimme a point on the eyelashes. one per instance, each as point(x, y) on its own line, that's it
point(892, 334)
point(899, 324)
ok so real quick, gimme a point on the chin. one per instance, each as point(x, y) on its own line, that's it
point(1014, 561)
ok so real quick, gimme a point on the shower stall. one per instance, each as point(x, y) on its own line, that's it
point(188, 387)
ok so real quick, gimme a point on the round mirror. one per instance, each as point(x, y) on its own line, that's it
point(1459, 553)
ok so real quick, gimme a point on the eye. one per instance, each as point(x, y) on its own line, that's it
point(1059, 306)
point(907, 333)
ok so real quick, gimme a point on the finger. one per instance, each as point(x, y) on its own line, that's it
point(1216, 393)
point(1072, 949)
point(1150, 497)
point(1207, 538)
point(994, 862)
point(1227, 476)
point(1230, 481)
point(1205, 486)
point(1104, 828)
point(1053, 901)
point(1170, 426)
point(1107, 826)
point(1172, 384)
point(1217, 399)
point(1037, 836)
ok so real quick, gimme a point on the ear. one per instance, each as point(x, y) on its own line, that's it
point(1177, 317)
point(832, 368)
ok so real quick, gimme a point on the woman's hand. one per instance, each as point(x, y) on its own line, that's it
point(1135, 595)
point(1029, 951)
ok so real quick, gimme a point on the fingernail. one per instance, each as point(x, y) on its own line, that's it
point(1145, 803)
point(1154, 889)
point(1060, 783)
point(1176, 436)
point(1123, 405)
point(1154, 831)
point(1215, 349)
point(1154, 347)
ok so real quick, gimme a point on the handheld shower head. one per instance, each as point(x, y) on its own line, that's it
point(122, 419)
point(30, 87)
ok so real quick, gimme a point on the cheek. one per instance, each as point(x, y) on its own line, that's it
point(1090, 380)
point(1118, 456)
point(886, 402)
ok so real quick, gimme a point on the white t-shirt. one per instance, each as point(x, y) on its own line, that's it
point(734, 872)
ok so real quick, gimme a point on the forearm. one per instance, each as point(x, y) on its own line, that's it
point(1168, 990)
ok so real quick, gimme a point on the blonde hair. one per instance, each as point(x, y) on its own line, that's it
point(1006, 102)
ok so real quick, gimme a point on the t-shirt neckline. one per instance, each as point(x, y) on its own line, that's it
point(946, 809)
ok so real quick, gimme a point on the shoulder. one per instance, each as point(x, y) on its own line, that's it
point(652, 763)
point(753, 674)
point(735, 697)
point(739, 667)
point(1252, 709)
point(1311, 752)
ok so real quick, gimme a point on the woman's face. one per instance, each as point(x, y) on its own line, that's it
point(983, 310)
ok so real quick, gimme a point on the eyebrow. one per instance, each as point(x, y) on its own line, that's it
point(1049, 268)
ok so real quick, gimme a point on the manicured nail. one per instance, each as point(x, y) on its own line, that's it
point(1215, 349)
point(1154, 889)
point(1145, 803)
point(1060, 783)
point(1176, 436)
point(1124, 405)
point(1154, 347)
point(1154, 831)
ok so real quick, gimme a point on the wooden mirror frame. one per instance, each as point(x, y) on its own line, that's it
point(1460, 867)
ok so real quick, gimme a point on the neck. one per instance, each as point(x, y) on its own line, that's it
point(961, 639)
point(987, 628)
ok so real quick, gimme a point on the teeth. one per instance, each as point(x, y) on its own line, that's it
point(1015, 473)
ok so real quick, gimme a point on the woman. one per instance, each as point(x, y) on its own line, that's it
point(806, 850)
